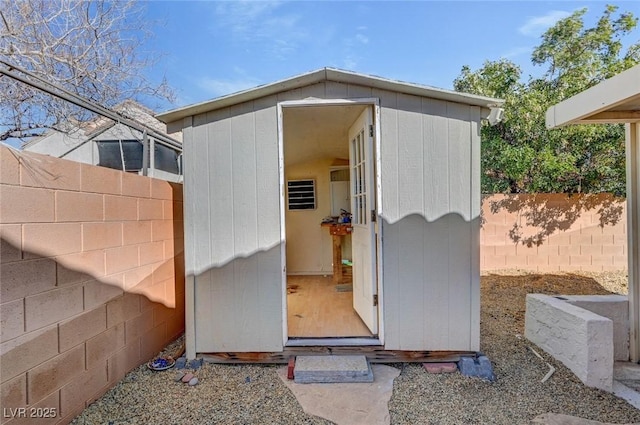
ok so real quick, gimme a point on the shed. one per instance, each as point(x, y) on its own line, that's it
point(263, 168)
point(616, 100)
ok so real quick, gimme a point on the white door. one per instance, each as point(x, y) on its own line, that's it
point(363, 210)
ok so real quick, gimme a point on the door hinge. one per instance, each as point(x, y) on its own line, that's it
point(375, 300)
point(371, 131)
point(373, 216)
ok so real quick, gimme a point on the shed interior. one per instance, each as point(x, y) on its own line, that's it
point(315, 145)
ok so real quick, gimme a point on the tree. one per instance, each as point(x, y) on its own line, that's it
point(90, 48)
point(520, 155)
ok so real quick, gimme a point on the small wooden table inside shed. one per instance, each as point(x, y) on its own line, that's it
point(337, 231)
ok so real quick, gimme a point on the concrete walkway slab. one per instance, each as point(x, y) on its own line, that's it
point(349, 403)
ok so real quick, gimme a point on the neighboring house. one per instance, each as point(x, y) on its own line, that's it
point(107, 143)
point(261, 166)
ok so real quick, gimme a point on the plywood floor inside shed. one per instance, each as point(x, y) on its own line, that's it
point(317, 310)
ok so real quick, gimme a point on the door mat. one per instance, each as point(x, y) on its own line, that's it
point(344, 287)
point(332, 369)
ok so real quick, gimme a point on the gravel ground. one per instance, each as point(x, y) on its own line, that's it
point(229, 394)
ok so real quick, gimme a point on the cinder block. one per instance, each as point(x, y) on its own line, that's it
point(560, 239)
point(151, 253)
point(602, 260)
point(120, 208)
point(591, 229)
point(101, 235)
point(26, 205)
point(505, 250)
point(479, 367)
point(580, 239)
point(170, 294)
point(612, 250)
point(123, 361)
point(602, 240)
point(537, 260)
point(153, 341)
point(46, 171)
point(559, 260)
point(52, 306)
point(83, 387)
point(21, 354)
point(52, 239)
point(80, 267)
point(150, 209)
point(592, 250)
point(105, 344)
point(122, 309)
point(621, 260)
point(568, 250)
point(55, 373)
point(79, 206)
point(14, 392)
point(162, 314)
point(515, 261)
point(161, 189)
point(154, 292)
point(116, 280)
point(10, 243)
point(11, 319)
point(24, 278)
point(97, 293)
point(177, 191)
point(161, 230)
point(138, 276)
point(580, 260)
point(51, 403)
point(100, 179)
point(138, 326)
point(164, 271)
point(136, 232)
point(121, 259)
point(136, 186)
point(85, 326)
point(9, 166)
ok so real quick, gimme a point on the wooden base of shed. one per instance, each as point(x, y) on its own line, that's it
point(373, 354)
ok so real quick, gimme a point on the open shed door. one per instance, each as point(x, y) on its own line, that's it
point(363, 210)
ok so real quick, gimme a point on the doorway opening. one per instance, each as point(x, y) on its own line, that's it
point(328, 216)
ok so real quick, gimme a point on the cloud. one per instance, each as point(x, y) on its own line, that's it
point(262, 24)
point(362, 38)
point(535, 25)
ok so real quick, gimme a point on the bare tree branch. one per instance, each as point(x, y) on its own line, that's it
point(91, 48)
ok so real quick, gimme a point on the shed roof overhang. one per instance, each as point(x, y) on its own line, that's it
point(616, 100)
point(327, 74)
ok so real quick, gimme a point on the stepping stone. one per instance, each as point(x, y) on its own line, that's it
point(332, 369)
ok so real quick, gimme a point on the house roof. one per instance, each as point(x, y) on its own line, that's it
point(326, 74)
point(615, 100)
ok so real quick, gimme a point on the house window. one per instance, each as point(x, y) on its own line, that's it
point(301, 194)
point(166, 159)
point(120, 154)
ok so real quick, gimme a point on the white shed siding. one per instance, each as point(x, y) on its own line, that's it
point(231, 191)
point(431, 274)
point(429, 182)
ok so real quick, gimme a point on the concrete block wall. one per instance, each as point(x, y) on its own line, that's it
point(91, 280)
point(613, 307)
point(553, 232)
point(580, 339)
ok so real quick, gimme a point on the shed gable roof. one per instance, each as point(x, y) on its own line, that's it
point(326, 74)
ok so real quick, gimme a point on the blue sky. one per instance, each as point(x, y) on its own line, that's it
point(216, 48)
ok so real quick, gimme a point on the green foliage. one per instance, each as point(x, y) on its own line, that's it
point(520, 155)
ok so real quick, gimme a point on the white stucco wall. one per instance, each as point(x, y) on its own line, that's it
point(580, 339)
